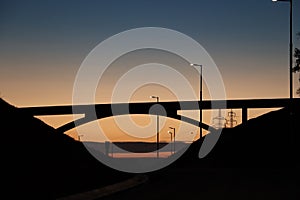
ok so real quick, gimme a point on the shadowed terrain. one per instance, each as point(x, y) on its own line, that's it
point(251, 161)
point(39, 162)
point(264, 141)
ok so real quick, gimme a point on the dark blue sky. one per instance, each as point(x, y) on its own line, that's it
point(44, 42)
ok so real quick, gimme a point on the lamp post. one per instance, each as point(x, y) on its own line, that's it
point(173, 137)
point(291, 45)
point(171, 134)
point(79, 136)
point(291, 123)
point(197, 65)
point(193, 138)
point(157, 128)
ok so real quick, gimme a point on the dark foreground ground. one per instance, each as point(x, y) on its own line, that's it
point(223, 183)
point(258, 160)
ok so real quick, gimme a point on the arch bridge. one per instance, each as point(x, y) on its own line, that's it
point(172, 108)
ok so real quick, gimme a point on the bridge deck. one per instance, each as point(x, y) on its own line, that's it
point(98, 111)
point(175, 105)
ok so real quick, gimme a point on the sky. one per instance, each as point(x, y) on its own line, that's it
point(43, 43)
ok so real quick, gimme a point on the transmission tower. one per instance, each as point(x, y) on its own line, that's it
point(218, 121)
point(231, 121)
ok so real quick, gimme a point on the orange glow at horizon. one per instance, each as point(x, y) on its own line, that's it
point(114, 133)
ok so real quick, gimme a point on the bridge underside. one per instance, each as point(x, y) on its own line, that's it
point(105, 110)
point(85, 120)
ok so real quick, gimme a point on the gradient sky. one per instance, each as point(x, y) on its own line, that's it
point(42, 43)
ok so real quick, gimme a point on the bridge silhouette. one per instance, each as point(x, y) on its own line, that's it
point(172, 108)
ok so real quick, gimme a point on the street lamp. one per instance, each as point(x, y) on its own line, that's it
point(173, 136)
point(197, 65)
point(79, 136)
point(157, 128)
point(291, 124)
point(291, 45)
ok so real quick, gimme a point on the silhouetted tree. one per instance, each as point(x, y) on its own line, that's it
point(297, 56)
point(297, 62)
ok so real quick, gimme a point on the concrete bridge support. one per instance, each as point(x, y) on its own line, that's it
point(244, 115)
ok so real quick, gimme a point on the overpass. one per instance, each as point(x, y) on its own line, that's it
point(105, 110)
